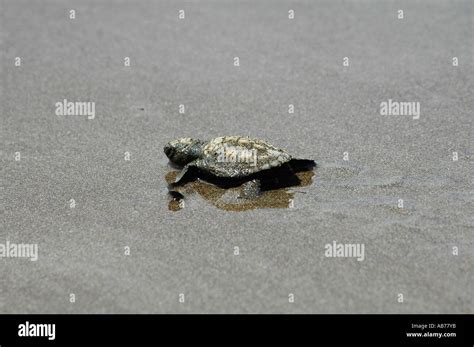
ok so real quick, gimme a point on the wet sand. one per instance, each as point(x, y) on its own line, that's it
point(233, 199)
point(124, 203)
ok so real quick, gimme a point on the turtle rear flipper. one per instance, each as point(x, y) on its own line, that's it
point(251, 189)
point(299, 165)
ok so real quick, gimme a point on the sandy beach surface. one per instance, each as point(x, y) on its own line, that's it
point(421, 247)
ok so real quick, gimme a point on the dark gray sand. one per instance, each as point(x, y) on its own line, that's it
point(121, 203)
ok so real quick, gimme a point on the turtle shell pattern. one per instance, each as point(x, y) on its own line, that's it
point(236, 156)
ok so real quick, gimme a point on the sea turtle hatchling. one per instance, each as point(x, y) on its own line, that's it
point(234, 160)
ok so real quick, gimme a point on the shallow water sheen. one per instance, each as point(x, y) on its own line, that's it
point(230, 199)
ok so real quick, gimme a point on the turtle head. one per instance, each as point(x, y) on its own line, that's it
point(183, 150)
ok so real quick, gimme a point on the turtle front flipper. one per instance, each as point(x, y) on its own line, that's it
point(188, 173)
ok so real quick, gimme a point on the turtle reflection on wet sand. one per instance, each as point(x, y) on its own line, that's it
point(238, 169)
